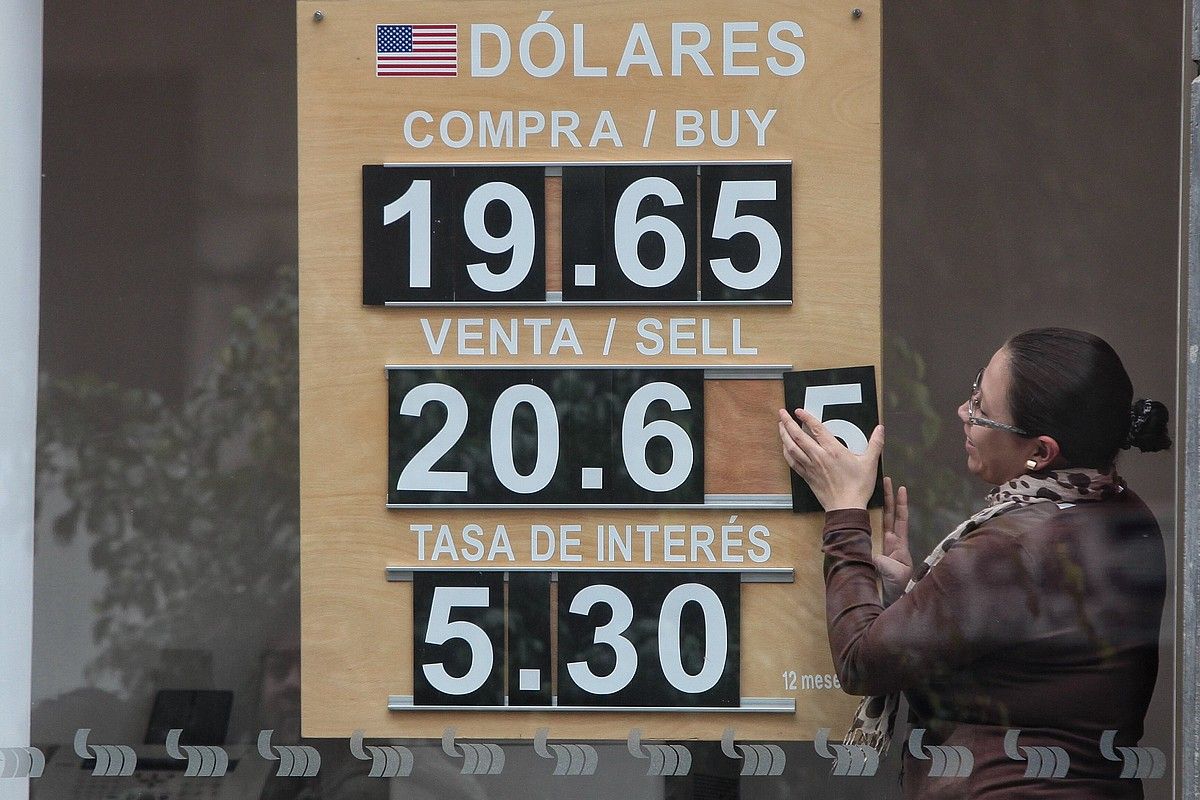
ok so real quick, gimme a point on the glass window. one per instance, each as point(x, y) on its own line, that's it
point(1030, 178)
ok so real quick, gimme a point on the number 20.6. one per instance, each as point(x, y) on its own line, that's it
point(573, 436)
point(629, 233)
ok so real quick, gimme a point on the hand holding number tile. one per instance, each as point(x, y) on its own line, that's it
point(838, 477)
point(895, 562)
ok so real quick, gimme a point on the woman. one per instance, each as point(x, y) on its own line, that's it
point(1034, 624)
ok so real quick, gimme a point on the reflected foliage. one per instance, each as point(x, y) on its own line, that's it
point(939, 497)
point(191, 509)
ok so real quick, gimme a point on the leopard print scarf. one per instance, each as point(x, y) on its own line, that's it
point(876, 716)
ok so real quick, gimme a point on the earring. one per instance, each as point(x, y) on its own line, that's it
point(1031, 464)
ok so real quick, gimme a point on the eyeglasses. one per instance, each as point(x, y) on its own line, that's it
point(974, 417)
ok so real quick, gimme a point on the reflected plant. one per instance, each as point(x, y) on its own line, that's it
point(192, 510)
point(939, 497)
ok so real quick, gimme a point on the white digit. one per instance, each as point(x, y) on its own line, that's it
point(442, 630)
point(629, 230)
point(419, 473)
point(414, 202)
point(716, 638)
point(636, 434)
point(838, 394)
point(519, 238)
point(728, 224)
point(547, 438)
point(610, 634)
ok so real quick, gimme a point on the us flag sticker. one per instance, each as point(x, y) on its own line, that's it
point(416, 51)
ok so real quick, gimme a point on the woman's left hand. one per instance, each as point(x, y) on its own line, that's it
point(838, 478)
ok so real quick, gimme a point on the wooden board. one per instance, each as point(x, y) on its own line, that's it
point(357, 627)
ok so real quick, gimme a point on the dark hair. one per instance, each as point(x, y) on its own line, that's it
point(1072, 386)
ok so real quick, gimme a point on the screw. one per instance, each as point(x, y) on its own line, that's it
point(318, 16)
point(856, 13)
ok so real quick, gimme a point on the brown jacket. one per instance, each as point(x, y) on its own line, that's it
point(1043, 620)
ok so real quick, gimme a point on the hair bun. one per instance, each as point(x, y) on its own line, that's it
point(1147, 427)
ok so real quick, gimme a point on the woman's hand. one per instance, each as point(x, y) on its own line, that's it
point(838, 478)
point(895, 563)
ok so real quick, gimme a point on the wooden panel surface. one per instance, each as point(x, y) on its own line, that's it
point(357, 627)
point(741, 443)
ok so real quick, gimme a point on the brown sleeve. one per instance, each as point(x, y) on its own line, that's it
point(978, 598)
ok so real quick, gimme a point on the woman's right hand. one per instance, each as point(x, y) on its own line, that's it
point(895, 562)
